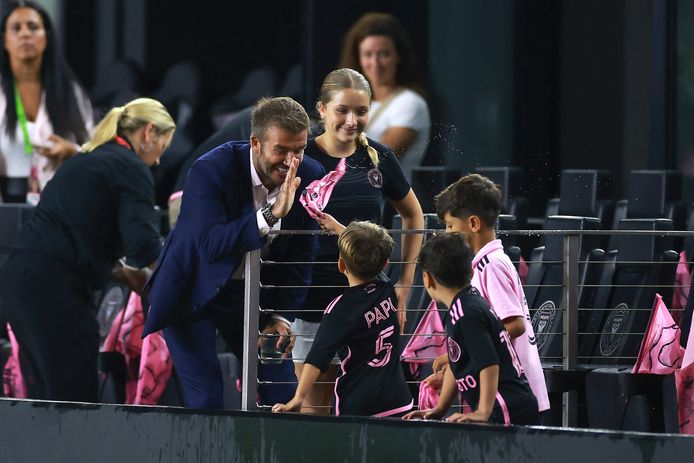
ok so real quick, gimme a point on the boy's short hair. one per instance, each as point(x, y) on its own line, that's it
point(448, 258)
point(365, 247)
point(472, 194)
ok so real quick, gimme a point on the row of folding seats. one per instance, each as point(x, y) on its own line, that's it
point(616, 289)
point(583, 193)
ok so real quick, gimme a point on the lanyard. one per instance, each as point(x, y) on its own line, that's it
point(123, 142)
point(22, 118)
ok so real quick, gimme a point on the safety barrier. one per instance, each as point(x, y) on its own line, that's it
point(573, 263)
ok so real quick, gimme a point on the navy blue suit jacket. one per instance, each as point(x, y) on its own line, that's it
point(216, 227)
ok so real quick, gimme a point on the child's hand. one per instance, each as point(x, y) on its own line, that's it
point(330, 224)
point(474, 417)
point(440, 363)
point(435, 380)
point(431, 414)
point(293, 405)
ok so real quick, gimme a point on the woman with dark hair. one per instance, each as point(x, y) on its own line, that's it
point(98, 208)
point(44, 112)
point(379, 47)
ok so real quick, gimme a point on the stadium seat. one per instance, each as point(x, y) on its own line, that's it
point(112, 377)
point(292, 83)
point(115, 85)
point(621, 400)
point(180, 92)
point(511, 182)
point(544, 288)
point(12, 218)
point(428, 181)
point(640, 267)
point(259, 82)
point(653, 194)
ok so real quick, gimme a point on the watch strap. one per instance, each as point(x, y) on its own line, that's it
point(267, 215)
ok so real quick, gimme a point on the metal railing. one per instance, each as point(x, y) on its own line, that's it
point(570, 293)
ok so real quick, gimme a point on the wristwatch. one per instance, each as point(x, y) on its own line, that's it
point(271, 220)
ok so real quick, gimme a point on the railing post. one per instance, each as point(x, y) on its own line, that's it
point(251, 310)
point(570, 338)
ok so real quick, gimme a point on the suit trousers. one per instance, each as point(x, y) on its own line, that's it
point(193, 347)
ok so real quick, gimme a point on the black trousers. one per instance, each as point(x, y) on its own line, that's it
point(53, 317)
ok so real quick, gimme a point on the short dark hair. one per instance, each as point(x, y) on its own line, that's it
point(365, 247)
point(472, 194)
point(282, 112)
point(448, 258)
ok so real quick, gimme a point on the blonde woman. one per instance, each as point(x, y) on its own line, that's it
point(373, 175)
point(98, 208)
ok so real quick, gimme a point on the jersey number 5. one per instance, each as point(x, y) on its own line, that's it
point(382, 345)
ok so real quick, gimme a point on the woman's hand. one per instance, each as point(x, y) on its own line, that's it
point(59, 149)
point(330, 224)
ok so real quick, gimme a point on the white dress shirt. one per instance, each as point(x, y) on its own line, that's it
point(261, 197)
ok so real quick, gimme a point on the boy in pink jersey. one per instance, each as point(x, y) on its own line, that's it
point(483, 366)
point(471, 206)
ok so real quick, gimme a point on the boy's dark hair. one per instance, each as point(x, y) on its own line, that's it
point(448, 258)
point(365, 247)
point(472, 194)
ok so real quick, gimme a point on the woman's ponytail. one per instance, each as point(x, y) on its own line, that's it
point(373, 154)
point(105, 131)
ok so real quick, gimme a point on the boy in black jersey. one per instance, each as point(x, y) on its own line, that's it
point(483, 364)
point(362, 326)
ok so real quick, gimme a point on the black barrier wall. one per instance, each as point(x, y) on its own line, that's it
point(47, 431)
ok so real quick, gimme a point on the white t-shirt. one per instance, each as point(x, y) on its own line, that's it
point(499, 284)
point(409, 110)
point(14, 163)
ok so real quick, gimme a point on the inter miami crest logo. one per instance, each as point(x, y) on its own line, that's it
point(375, 178)
point(542, 322)
point(453, 350)
point(612, 336)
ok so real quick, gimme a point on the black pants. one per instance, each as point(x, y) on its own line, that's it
point(53, 317)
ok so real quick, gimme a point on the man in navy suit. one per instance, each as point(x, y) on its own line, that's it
point(233, 196)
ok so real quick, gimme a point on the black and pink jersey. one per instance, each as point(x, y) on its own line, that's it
point(361, 325)
point(476, 340)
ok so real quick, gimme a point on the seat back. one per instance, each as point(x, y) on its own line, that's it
point(427, 181)
point(580, 190)
point(650, 191)
point(546, 299)
point(511, 182)
point(507, 222)
point(643, 265)
point(12, 218)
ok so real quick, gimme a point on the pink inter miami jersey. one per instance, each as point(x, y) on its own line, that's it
point(316, 196)
point(499, 284)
